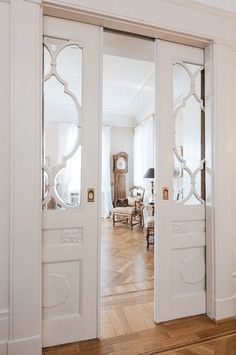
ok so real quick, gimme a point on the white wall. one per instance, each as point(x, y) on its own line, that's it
point(122, 140)
point(20, 211)
point(4, 171)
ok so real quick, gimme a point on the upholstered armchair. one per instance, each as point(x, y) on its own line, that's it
point(132, 213)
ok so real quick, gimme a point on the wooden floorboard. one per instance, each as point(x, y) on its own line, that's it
point(127, 281)
point(187, 336)
point(127, 325)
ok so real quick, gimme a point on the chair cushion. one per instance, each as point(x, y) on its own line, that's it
point(131, 200)
point(124, 210)
point(149, 222)
point(122, 202)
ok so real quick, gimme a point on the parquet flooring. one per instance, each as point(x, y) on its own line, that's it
point(189, 336)
point(127, 309)
point(126, 281)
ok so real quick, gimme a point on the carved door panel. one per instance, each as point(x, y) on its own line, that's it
point(70, 170)
point(180, 250)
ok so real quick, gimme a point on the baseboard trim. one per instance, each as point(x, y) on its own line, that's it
point(224, 308)
point(228, 319)
point(25, 346)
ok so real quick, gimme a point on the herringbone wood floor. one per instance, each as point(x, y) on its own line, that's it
point(127, 281)
point(127, 301)
point(190, 336)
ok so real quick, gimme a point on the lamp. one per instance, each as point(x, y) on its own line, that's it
point(150, 174)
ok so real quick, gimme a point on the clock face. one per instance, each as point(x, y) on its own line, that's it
point(121, 163)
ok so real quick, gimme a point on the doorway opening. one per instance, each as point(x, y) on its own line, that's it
point(128, 184)
point(129, 188)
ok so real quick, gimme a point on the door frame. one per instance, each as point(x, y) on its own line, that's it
point(207, 45)
point(22, 317)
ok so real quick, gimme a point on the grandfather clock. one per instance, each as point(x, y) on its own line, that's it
point(120, 169)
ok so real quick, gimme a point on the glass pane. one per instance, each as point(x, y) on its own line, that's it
point(189, 133)
point(60, 123)
point(62, 101)
point(68, 181)
point(181, 82)
point(46, 61)
point(182, 186)
point(69, 67)
point(200, 184)
point(45, 183)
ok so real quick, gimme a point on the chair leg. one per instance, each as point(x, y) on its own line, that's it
point(131, 222)
point(147, 237)
point(114, 220)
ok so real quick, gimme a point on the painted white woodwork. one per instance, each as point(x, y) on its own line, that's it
point(4, 173)
point(224, 148)
point(158, 14)
point(70, 235)
point(128, 46)
point(209, 124)
point(228, 5)
point(180, 251)
point(25, 180)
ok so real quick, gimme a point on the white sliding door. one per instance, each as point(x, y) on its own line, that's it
point(71, 90)
point(180, 247)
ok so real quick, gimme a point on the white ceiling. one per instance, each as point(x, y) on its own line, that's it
point(128, 85)
point(128, 78)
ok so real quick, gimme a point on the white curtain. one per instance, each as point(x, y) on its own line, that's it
point(106, 171)
point(69, 180)
point(143, 149)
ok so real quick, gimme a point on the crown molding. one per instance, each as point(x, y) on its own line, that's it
point(38, 2)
